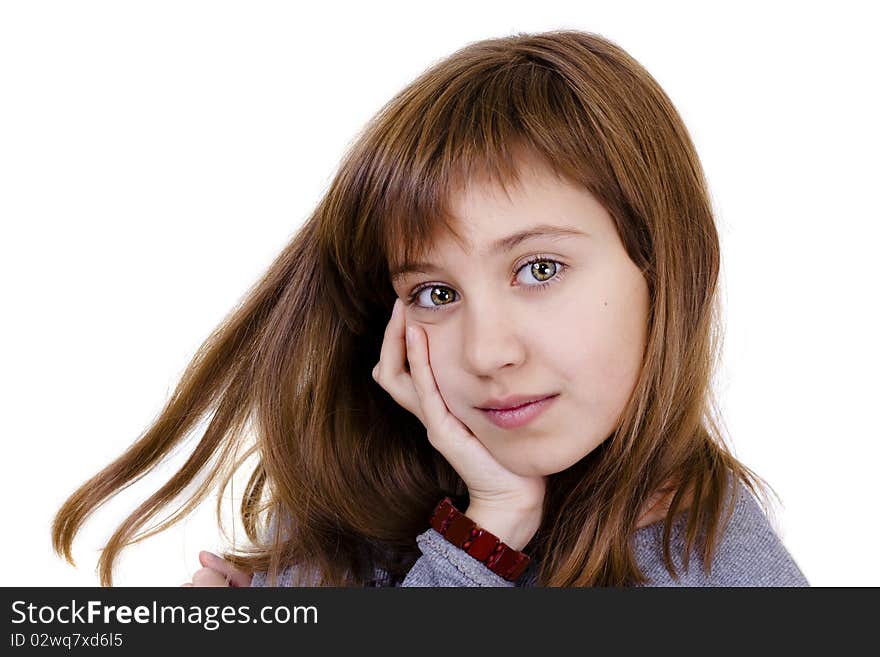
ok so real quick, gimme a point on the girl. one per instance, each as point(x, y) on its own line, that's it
point(485, 359)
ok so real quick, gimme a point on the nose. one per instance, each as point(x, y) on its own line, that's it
point(492, 338)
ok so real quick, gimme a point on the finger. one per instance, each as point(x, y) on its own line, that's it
point(235, 577)
point(391, 370)
point(238, 578)
point(433, 407)
point(209, 577)
point(392, 352)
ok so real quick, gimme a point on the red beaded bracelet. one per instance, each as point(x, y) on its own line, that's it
point(481, 544)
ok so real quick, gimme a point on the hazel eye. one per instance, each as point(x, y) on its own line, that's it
point(542, 270)
point(439, 295)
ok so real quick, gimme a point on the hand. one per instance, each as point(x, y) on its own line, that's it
point(492, 488)
point(218, 572)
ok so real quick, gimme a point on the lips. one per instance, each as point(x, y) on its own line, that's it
point(519, 416)
point(512, 402)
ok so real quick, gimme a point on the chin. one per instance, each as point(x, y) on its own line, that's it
point(540, 466)
point(529, 469)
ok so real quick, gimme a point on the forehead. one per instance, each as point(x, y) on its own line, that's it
point(497, 246)
point(484, 213)
point(487, 215)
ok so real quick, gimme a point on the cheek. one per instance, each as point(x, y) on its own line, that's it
point(449, 376)
point(442, 361)
point(598, 350)
point(571, 342)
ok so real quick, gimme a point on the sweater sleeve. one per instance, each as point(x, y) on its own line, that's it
point(750, 554)
point(443, 564)
point(753, 554)
point(285, 578)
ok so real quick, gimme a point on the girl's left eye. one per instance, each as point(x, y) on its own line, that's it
point(546, 270)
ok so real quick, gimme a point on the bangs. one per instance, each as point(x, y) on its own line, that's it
point(466, 125)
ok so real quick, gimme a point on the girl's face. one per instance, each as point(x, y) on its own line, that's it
point(572, 323)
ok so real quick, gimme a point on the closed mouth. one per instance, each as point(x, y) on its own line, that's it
point(513, 408)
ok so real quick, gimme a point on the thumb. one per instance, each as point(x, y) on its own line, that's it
point(237, 578)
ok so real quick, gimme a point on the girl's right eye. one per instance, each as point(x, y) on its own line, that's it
point(418, 291)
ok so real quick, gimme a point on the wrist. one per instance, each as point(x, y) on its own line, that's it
point(479, 542)
point(515, 527)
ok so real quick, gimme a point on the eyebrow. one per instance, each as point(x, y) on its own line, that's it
point(499, 245)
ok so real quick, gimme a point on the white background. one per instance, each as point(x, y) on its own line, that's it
point(155, 156)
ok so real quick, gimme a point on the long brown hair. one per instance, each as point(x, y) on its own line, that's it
point(346, 478)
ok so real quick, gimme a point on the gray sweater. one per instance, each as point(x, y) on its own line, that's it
point(750, 554)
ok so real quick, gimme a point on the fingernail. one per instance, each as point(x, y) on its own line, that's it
point(396, 306)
